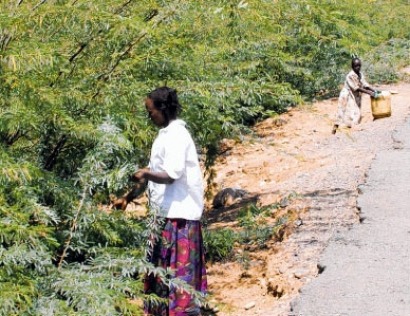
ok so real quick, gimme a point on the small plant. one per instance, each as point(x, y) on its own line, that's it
point(243, 258)
point(219, 244)
point(253, 234)
point(279, 227)
point(256, 237)
point(253, 216)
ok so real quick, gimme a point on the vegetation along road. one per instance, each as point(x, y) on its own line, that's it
point(337, 201)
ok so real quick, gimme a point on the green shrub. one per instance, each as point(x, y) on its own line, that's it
point(219, 244)
point(385, 61)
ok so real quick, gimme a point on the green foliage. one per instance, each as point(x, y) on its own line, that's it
point(254, 231)
point(73, 75)
point(255, 227)
point(252, 215)
point(219, 244)
point(385, 61)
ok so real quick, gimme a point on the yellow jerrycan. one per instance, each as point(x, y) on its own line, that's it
point(381, 104)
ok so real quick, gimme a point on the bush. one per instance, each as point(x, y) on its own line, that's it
point(219, 244)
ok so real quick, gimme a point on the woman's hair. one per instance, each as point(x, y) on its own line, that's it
point(354, 59)
point(165, 99)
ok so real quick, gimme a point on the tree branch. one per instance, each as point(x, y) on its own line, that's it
point(85, 44)
point(39, 4)
point(4, 41)
point(73, 228)
point(56, 151)
point(12, 138)
point(119, 10)
point(79, 50)
point(131, 45)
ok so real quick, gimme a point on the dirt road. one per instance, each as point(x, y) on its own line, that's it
point(297, 153)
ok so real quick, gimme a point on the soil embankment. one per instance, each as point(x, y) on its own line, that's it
point(297, 155)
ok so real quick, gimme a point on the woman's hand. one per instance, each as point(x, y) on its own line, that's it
point(136, 191)
point(140, 176)
point(368, 90)
point(120, 203)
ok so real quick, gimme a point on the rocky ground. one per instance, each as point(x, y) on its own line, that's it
point(295, 160)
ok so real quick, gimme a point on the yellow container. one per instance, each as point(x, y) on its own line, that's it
point(381, 106)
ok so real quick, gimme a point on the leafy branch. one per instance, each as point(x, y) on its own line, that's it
point(73, 227)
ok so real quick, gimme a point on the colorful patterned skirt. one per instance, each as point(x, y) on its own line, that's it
point(181, 249)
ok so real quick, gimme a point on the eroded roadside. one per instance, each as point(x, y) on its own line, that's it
point(298, 154)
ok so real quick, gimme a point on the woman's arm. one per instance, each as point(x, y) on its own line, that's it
point(367, 87)
point(141, 177)
point(368, 90)
point(157, 177)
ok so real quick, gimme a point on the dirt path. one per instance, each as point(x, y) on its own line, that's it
point(298, 154)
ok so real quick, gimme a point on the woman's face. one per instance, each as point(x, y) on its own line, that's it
point(154, 114)
point(356, 66)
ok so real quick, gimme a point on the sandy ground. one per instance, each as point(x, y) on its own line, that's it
point(295, 158)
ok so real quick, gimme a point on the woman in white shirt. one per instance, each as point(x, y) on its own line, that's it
point(175, 187)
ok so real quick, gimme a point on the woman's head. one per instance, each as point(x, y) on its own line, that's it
point(356, 65)
point(163, 106)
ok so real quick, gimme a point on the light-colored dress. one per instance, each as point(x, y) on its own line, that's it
point(350, 99)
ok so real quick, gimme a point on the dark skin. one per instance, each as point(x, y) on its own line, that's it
point(356, 66)
point(143, 175)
